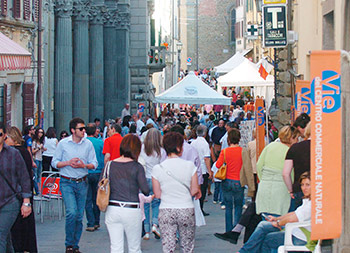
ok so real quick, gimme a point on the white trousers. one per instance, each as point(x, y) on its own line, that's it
point(120, 220)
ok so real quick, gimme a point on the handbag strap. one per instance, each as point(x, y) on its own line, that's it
point(106, 172)
point(224, 156)
point(176, 179)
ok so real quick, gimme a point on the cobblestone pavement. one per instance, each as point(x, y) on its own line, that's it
point(51, 234)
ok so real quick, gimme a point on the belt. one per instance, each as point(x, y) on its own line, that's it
point(124, 205)
point(77, 180)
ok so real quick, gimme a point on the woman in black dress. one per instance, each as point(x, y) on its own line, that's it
point(23, 231)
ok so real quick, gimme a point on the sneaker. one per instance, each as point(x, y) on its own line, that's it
point(146, 237)
point(76, 251)
point(155, 231)
point(69, 249)
point(223, 207)
point(215, 202)
point(230, 236)
point(97, 227)
point(90, 229)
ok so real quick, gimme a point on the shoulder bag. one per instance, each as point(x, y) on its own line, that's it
point(221, 173)
point(104, 190)
point(200, 220)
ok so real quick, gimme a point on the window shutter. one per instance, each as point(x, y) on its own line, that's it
point(7, 105)
point(3, 7)
point(36, 10)
point(26, 9)
point(28, 102)
point(16, 8)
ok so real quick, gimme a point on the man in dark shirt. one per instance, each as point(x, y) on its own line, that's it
point(218, 132)
point(14, 181)
point(240, 101)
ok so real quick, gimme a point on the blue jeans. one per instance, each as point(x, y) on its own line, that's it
point(266, 239)
point(218, 192)
point(37, 173)
point(155, 210)
point(91, 209)
point(74, 197)
point(8, 216)
point(233, 194)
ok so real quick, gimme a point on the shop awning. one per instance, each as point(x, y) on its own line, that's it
point(12, 55)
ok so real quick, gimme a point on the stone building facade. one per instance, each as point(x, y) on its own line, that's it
point(216, 40)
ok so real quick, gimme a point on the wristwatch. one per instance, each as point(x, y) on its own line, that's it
point(278, 223)
point(27, 204)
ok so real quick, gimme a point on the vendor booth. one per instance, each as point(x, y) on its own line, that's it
point(191, 90)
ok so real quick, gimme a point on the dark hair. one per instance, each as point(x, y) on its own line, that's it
point(231, 124)
point(36, 136)
point(62, 133)
point(173, 141)
point(116, 127)
point(74, 122)
point(91, 129)
point(126, 120)
point(233, 136)
point(305, 175)
point(97, 119)
point(130, 146)
point(178, 129)
point(132, 129)
point(27, 129)
point(211, 117)
point(2, 126)
point(301, 120)
point(51, 132)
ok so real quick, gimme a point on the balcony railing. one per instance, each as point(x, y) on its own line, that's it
point(156, 59)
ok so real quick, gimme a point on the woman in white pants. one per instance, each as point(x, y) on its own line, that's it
point(123, 214)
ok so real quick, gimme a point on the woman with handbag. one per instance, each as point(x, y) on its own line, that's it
point(175, 182)
point(231, 187)
point(127, 178)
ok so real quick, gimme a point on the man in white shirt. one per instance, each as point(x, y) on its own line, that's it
point(149, 120)
point(223, 141)
point(202, 147)
point(125, 111)
point(139, 123)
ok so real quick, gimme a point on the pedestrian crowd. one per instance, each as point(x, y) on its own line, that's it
point(160, 171)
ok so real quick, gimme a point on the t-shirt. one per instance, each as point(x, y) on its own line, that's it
point(173, 193)
point(304, 214)
point(300, 154)
point(27, 141)
point(202, 147)
point(98, 146)
point(112, 146)
point(152, 160)
point(50, 144)
point(234, 162)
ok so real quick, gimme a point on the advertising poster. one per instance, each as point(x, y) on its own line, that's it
point(326, 140)
point(260, 126)
point(302, 97)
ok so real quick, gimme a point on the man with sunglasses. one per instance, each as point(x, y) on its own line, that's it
point(74, 156)
point(15, 189)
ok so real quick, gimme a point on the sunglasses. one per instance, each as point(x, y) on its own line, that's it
point(41, 132)
point(1, 134)
point(81, 128)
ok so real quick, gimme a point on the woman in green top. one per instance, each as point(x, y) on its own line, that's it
point(273, 197)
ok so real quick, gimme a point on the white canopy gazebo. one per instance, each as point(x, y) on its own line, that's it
point(191, 90)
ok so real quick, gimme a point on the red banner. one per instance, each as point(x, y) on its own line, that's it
point(326, 149)
point(259, 126)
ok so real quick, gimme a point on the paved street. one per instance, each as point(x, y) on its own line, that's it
point(50, 235)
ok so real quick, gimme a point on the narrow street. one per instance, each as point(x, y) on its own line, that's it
point(50, 235)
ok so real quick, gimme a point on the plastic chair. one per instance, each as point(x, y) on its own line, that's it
point(288, 242)
point(49, 186)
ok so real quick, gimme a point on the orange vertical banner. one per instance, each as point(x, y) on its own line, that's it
point(259, 126)
point(326, 149)
point(302, 97)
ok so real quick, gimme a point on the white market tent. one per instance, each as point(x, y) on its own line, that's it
point(191, 90)
point(230, 64)
point(247, 74)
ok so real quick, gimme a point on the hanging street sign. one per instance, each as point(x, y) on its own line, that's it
point(189, 59)
point(252, 32)
point(274, 26)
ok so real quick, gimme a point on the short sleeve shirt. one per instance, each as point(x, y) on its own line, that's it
point(202, 147)
point(173, 193)
point(112, 146)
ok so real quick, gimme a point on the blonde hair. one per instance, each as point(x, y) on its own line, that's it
point(152, 142)
point(307, 132)
point(287, 133)
point(15, 134)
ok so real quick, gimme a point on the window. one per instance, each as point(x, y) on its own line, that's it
point(232, 24)
point(16, 9)
point(26, 9)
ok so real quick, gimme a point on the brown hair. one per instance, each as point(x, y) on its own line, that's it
point(152, 142)
point(14, 133)
point(233, 136)
point(130, 146)
point(305, 175)
point(307, 132)
point(173, 141)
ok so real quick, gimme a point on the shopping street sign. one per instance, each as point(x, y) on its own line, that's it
point(274, 26)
